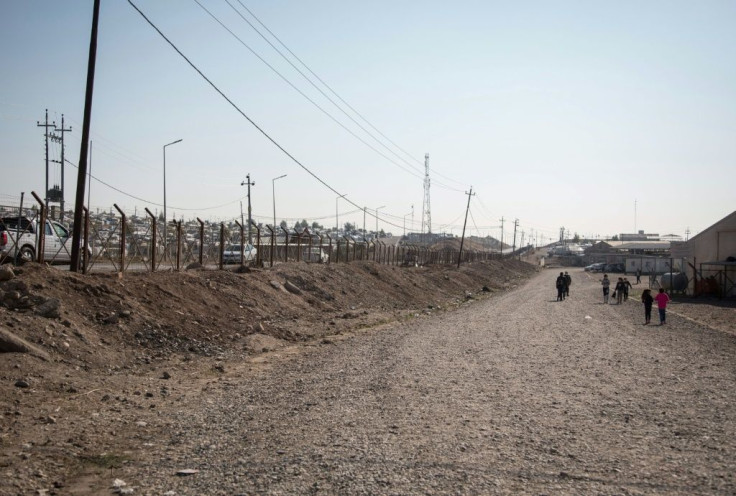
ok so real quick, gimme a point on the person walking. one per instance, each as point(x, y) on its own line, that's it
point(606, 283)
point(560, 284)
point(638, 275)
point(627, 285)
point(568, 282)
point(646, 298)
point(662, 300)
point(618, 291)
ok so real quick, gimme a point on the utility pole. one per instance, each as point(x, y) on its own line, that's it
point(60, 140)
point(502, 219)
point(521, 245)
point(687, 234)
point(462, 240)
point(516, 224)
point(82, 173)
point(250, 220)
point(46, 127)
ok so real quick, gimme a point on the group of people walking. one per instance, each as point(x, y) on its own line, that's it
point(563, 283)
point(621, 292)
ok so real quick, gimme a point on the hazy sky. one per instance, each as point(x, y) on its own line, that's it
point(602, 117)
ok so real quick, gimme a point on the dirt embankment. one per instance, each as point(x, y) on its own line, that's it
point(135, 343)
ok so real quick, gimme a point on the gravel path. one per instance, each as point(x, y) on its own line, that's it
point(515, 394)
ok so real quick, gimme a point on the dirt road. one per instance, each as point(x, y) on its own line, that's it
point(515, 394)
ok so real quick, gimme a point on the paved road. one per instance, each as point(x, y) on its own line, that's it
point(516, 394)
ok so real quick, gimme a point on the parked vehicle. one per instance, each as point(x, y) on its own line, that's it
point(19, 241)
point(595, 267)
point(232, 254)
point(615, 268)
point(315, 254)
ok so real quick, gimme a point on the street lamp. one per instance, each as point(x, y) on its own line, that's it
point(273, 190)
point(412, 218)
point(337, 223)
point(379, 208)
point(165, 218)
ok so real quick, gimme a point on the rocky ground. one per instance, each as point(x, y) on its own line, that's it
point(358, 379)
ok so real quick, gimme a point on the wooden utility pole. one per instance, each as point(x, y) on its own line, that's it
point(462, 240)
point(46, 127)
point(82, 174)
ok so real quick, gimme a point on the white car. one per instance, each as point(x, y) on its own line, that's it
point(232, 254)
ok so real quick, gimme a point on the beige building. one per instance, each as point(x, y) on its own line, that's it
point(711, 257)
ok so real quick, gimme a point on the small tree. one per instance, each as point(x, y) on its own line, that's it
point(284, 225)
point(316, 226)
point(349, 227)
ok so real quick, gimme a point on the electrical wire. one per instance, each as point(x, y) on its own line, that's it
point(251, 121)
point(412, 157)
point(286, 80)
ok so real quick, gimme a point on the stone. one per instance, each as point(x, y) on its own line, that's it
point(6, 273)
point(165, 375)
point(292, 288)
point(10, 343)
point(20, 383)
point(113, 318)
point(276, 285)
point(51, 309)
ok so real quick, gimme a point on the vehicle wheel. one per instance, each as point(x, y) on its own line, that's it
point(26, 254)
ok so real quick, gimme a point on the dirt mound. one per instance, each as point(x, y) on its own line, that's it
point(102, 320)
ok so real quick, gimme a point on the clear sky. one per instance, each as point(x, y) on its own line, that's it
point(602, 117)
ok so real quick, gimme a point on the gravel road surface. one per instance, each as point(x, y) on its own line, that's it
point(514, 394)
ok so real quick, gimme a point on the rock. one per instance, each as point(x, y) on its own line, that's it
point(193, 266)
point(187, 471)
point(292, 288)
point(165, 375)
point(111, 319)
point(10, 343)
point(125, 314)
point(243, 269)
point(51, 309)
point(276, 285)
point(6, 273)
point(20, 383)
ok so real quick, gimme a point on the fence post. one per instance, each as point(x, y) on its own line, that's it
point(329, 258)
point(201, 240)
point(258, 242)
point(242, 240)
point(122, 238)
point(222, 244)
point(178, 245)
point(272, 243)
point(298, 246)
point(153, 240)
point(41, 230)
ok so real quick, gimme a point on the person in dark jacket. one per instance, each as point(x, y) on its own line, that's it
point(619, 290)
point(627, 285)
point(568, 282)
point(646, 298)
point(560, 285)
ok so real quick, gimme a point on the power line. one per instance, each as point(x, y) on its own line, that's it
point(412, 157)
point(251, 121)
point(286, 80)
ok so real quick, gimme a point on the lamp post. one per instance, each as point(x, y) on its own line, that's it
point(250, 220)
point(412, 218)
point(165, 218)
point(273, 191)
point(337, 223)
point(379, 208)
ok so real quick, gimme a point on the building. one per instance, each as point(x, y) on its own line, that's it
point(711, 257)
